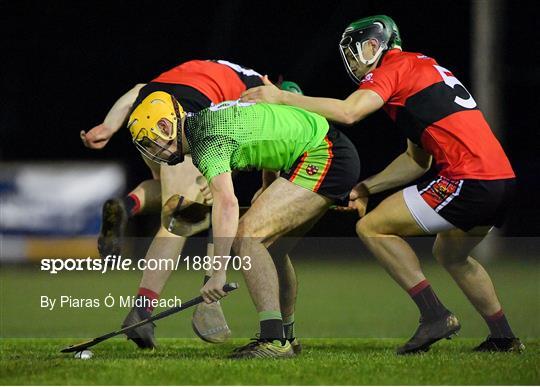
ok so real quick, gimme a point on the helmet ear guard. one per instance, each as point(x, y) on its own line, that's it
point(377, 55)
point(154, 127)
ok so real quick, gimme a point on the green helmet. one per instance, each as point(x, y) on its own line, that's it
point(291, 86)
point(380, 27)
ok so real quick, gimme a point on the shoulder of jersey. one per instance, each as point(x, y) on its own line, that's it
point(411, 59)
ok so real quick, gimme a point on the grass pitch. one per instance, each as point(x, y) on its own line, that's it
point(324, 361)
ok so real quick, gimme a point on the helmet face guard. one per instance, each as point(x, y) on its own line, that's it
point(380, 28)
point(153, 150)
point(156, 127)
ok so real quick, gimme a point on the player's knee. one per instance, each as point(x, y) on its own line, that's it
point(245, 238)
point(238, 244)
point(242, 230)
point(250, 228)
point(365, 228)
point(242, 245)
point(448, 256)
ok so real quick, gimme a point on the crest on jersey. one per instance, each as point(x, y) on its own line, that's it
point(312, 169)
point(367, 78)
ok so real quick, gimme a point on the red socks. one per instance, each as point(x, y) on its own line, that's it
point(498, 325)
point(132, 204)
point(144, 301)
point(427, 301)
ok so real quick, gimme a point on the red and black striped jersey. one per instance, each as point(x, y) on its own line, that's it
point(437, 112)
point(218, 80)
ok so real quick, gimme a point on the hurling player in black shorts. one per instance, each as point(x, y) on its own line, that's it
point(469, 196)
point(196, 84)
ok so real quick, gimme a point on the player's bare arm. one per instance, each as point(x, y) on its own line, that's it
point(225, 212)
point(99, 136)
point(354, 108)
point(408, 166)
point(458, 138)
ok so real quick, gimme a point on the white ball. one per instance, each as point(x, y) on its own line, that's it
point(86, 354)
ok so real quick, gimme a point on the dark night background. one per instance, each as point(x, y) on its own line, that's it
point(65, 63)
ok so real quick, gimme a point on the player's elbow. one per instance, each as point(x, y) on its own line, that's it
point(427, 164)
point(350, 113)
point(358, 106)
point(347, 120)
point(349, 117)
point(226, 202)
point(421, 161)
point(424, 162)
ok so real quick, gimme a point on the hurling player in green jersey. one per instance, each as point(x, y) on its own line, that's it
point(307, 164)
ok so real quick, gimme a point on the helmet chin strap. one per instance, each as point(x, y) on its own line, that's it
point(179, 154)
point(376, 56)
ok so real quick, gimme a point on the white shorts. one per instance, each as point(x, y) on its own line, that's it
point(443, 203)
point(426, 217)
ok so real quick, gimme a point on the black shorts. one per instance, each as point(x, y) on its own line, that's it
point(444, 203)
point(332, 169)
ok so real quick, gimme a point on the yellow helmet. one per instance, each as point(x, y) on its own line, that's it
point(154, 127)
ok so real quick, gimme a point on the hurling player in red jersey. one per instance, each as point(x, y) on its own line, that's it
point(180, 192)
point(469, 196)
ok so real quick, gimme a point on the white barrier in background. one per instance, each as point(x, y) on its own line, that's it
point(59, 200)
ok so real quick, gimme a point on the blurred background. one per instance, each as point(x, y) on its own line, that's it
point(65, 63)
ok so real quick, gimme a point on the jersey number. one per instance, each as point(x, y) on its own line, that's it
point(239, 69)
point(452, 81)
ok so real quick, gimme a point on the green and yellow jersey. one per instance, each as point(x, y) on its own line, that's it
point(235, 135)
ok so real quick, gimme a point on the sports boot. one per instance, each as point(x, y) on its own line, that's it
point(259, 348)
point(113, 226)
point(143, 336)
point(429, 332)
point(504, 344)
point(296, 346)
